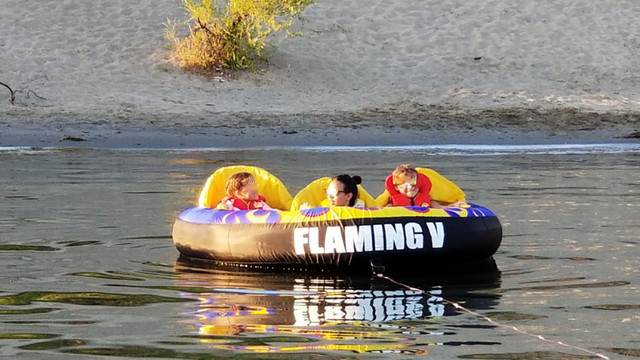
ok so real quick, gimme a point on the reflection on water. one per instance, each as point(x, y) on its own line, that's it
point(89, 268)
point(313, 304)
point(84, 298)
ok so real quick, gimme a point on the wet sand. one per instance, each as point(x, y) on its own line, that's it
point(350, 129)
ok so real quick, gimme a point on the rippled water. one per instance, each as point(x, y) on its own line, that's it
point(89, 267)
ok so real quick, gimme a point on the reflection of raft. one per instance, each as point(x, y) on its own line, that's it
point(232, 300)
point(341, 237)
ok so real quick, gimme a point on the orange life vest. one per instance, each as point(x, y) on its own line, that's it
point(422, 199)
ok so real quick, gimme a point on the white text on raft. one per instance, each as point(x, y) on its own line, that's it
point(379, 237)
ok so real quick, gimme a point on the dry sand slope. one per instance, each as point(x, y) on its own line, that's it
point(551, 65)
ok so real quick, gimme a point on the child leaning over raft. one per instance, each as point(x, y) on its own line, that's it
point(242, 194)
point(406, 186)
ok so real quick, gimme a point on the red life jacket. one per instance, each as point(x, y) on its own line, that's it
point(243, 205)
point(422, 199)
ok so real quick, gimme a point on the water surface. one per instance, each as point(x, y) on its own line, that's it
point(89, 267)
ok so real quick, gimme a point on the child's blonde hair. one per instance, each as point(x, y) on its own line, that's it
point(237, 181)
point(403, 173)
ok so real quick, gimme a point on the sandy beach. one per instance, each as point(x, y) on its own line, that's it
point(364, 72)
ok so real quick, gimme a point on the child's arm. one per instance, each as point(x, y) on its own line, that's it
point(226, 204)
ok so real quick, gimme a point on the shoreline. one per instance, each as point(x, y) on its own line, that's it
point(424, 125)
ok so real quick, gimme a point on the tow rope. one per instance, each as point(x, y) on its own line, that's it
point(380, 274)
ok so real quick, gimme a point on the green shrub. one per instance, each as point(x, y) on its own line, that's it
point(233, 36)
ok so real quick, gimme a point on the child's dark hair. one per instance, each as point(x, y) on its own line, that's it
point(350, 185)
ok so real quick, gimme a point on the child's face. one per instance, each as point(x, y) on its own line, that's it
point(249, 192)
point(409, 188)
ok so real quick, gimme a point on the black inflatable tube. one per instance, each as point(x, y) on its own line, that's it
point(398, 243)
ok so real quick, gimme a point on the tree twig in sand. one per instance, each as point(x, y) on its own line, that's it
point(34, 94)
point(13, 94)
point(25, 90)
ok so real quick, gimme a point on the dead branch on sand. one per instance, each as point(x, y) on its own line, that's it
point(13, 94)
point(25, 90)
point(34, 94)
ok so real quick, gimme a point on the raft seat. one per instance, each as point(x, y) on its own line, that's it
point(269, 186)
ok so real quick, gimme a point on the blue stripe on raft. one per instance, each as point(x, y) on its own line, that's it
point(479, 211)
point(204, 215)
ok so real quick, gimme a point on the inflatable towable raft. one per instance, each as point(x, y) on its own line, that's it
point(351, 238)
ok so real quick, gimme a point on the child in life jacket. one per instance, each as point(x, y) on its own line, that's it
point(242, 194)
point(407, 187)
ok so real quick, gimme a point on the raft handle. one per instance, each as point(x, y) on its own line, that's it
point(377, 268)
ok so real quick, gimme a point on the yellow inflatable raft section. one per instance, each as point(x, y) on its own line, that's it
point(278, 197)
point(269, 186)
point(315, 195)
